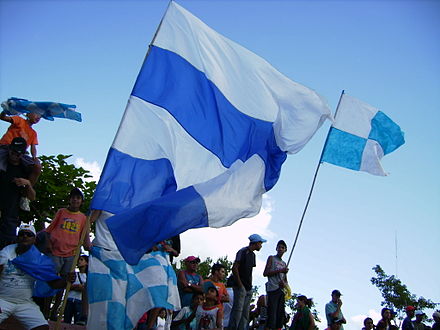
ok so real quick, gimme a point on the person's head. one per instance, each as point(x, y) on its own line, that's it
point(76, 198)
point(281, 248)
point(368, 323)
point(436, 316)
point(419, 316)
point(386, 313)
point(302, 301)
point(197, 299)
point(210, 290)
point(83, 261)
point(33, 118)
point(17, 148)
point(163, 313)
point(191, 263)
point(218, 271)
point(336, 295)
point(256, 242)
point(410, 311)
point(26, 236)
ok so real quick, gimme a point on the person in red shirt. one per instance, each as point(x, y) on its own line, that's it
point(65, 233)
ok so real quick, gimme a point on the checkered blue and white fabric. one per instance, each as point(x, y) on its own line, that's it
point(120, 293)
point(360, 137)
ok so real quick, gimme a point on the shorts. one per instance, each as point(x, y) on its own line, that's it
point(63, 265)
point(27, 313)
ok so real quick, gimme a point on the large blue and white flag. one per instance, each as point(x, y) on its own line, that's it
point(360, 137)
point(205, 132)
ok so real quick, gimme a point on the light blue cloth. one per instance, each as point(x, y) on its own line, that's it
point(47, 110)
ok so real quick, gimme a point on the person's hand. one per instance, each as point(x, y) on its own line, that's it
point(285, 270)
point(281, 284)
point(21, 182)
point(339, 302)
point(71, 277)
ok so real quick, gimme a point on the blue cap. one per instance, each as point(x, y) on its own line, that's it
point(255, 238)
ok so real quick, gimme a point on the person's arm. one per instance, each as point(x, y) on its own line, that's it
point(34, 151)
point(61, 283)
point(236, 273)
point(5, 117)
point(225, 295)
point(219, 322)
point(94, 215)
point(198, 287)
point(186, 287)
point(312, 321)
point(28, 189)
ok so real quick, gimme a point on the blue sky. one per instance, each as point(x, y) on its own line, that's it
point(385, 53)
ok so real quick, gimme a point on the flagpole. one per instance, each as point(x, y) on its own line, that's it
point(313, 185)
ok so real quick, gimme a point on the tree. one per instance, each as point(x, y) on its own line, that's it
point(53, 187)
point(396, 295)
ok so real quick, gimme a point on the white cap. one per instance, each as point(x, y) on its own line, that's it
point(28, 227)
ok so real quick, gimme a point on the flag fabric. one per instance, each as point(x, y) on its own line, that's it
point(360, 137)
point(205, 132)
point(119, 294)
point(47, 110)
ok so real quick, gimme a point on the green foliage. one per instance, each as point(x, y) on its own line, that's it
point(396, 295)
point(53, 187)
point(291, 303)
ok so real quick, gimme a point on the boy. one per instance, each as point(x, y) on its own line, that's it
point(65, 232)
point(209, 315)
point(185, 319)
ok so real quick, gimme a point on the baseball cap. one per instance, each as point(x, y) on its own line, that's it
point(27, 227)
point(207, 285)
point(336, 293)
point(255, 238)
point(420, 313)
point(410, 308)
point(192, 258)
point(19, 145)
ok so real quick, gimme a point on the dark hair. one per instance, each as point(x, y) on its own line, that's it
point(76, 192)
point(196, 294)
point(86, 257)
point(384, 310)
point(305, 300)
point(368, 319)
point(281, 242)
point(217, 267)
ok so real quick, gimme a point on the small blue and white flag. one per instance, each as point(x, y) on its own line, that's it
point(205, 132)
point(47, 110)
point(360, 137)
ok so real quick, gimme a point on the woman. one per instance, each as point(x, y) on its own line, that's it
point(275, 271)
point(303, 318)
point(385, 322)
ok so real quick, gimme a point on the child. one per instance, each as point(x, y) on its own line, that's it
point(21, 127)
point(209, 315)
point(65, 232)
point(185, 319)
point(74, 301)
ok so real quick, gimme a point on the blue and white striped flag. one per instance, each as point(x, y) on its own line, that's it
point(360, 137)
point(205, 132)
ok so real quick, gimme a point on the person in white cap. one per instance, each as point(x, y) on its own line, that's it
point(418, 324)
point(21, 265)
point(242, 274)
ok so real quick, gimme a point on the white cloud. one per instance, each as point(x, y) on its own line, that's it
point(357, 321)
point(93, 167)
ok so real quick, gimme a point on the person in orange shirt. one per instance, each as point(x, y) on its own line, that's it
point(65, 232)
point(218, 274)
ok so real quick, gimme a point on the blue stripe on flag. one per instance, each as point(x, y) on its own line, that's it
point(116, 317)
point(344, 149)
point(205, 113)
point(177, 212)
point(127, 182)
point(118, 269)
point(157, 293)
point(133, 286)
point(386, 132)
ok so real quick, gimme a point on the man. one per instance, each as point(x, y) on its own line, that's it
point(242, 274)
point(14, 184)
point(436, 317)
point(407, 323)
point(333, 311)
point(218, 274)
point(189, 282)
point(21, 265)
point(418, 324)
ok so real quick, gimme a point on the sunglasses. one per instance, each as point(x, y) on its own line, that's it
point(26, 233)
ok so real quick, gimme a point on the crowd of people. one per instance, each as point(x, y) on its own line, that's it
point(33, 265)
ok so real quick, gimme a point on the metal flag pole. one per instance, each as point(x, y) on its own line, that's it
point(313, 185)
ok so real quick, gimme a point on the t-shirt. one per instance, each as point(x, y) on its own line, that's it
point(10, 193)
point(221, 288)
point(207, 317)
point(274, 280)
point(246, 258)
point(301, 320)
point(330, 308)
point(183, 314)
point(65, 231)
point(15, 285)
point(19, 127)
point(80, 278)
